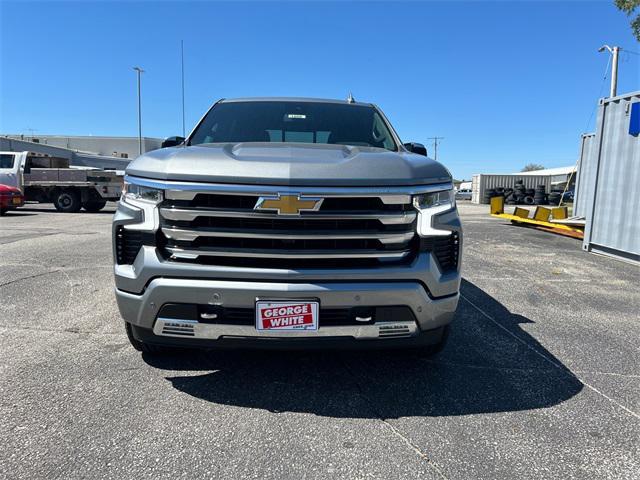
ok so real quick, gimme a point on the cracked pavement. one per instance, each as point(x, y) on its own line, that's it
point(540, 379)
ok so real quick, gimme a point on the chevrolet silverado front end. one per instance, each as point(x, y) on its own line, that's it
point(288, 223)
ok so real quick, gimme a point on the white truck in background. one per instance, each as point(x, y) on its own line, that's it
point(47, 179)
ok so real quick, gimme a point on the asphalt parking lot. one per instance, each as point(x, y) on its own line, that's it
point(540, 379)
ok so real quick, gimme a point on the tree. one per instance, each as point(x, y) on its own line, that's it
point(531, 167)
point(629, 7)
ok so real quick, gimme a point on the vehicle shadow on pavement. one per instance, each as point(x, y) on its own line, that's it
point(13, 213)
point(40, 209)
point(490, 364)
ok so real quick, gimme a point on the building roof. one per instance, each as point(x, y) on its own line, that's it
point(19, 136)
point(550, 171)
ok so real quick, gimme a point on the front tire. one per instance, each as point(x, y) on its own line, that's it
point(94, 206)
point(67, 201)
point(141, 346)
point(428, 351)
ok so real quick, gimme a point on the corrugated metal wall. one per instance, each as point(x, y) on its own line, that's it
point(75, 158)
point(586, 175)
point(613, 212)
point(480, 183)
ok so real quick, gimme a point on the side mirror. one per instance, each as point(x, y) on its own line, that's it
point(416, 148)
point(172, 142)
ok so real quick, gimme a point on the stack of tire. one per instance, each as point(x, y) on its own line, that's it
point(519, 195)
point(509, 197)
point(539, 196)
point(554, 198)
point(519, 192)
point(489, 194)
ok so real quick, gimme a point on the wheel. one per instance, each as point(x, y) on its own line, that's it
point(140, 346)
point(431, 350)
point(67, 201)
point(2, 211)
point(94, 206)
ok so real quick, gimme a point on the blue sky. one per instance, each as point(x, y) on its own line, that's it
point(506, 83)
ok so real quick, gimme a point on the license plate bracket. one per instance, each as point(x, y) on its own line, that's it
point(287, 315)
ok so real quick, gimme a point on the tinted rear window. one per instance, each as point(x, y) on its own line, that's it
point(299, 122)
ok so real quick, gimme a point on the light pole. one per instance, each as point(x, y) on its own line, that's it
point(139, 70)
point(614, 51)
point(182, 67)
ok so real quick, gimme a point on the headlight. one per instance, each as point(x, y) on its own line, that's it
point(435, 199)
point(429, 205)
point(131, 191)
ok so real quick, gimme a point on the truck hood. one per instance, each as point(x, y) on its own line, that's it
point(288, 164)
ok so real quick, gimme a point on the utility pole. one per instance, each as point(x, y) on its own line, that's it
point(435, 146)
point(614, 51)
point(31, 130)
point(139, 70)
point(182, 65)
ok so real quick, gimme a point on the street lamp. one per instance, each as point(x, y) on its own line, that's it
point(139, 70)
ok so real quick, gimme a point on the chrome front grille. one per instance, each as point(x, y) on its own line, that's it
point(222, 228)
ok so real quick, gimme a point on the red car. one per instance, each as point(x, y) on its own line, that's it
point(10, 198)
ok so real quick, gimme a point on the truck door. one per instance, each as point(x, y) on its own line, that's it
point(9, 169)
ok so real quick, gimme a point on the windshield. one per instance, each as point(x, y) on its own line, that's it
point(302, 122)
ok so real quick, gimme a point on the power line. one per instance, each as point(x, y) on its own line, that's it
point(604, 79)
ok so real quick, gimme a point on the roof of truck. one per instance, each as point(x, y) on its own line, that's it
point(292, 99)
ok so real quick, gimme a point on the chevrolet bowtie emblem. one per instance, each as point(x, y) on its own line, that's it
point(288, 204)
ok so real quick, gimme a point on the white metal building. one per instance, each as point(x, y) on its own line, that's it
point(551, 178)
point(119, 147)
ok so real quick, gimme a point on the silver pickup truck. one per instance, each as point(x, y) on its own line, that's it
point(288, 223)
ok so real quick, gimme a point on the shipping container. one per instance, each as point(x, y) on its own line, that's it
point(586, 174)
point(480, 183)
point(613, 191)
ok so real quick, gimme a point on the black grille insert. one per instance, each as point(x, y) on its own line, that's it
point(128, 244)
point(446, 250)
point(329, 317)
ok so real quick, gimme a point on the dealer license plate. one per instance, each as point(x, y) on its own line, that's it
point(286, 316)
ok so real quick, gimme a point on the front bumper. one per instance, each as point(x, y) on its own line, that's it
point(8, 202)
point(142, 310)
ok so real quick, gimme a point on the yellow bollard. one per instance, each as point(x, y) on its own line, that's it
point(497, 205)
point(542, 214)
point(559, 213)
